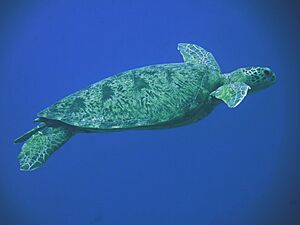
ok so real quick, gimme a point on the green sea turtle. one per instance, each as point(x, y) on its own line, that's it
point(151, 97)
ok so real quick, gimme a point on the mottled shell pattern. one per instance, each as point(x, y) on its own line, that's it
point(142, 97)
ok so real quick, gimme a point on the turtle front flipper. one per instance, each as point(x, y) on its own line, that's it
point(192, 53)
point(232, 94)
point(37, 149)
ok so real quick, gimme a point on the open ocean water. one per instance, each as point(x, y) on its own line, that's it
point(236, 167)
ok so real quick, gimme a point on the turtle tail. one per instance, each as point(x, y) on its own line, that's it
point(40, 143)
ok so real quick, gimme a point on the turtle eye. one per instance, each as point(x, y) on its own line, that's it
point(267, 72)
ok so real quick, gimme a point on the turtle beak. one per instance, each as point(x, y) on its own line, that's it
point(273, 78)
point(270, 75)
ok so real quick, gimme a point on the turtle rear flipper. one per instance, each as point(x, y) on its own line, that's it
point(37, 149)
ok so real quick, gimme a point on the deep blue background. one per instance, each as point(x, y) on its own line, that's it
point(236, 167)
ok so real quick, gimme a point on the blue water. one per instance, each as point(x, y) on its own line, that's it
point(236, 167)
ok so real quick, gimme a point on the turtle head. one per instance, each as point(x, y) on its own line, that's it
point(237, 84)
point(256, 77)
